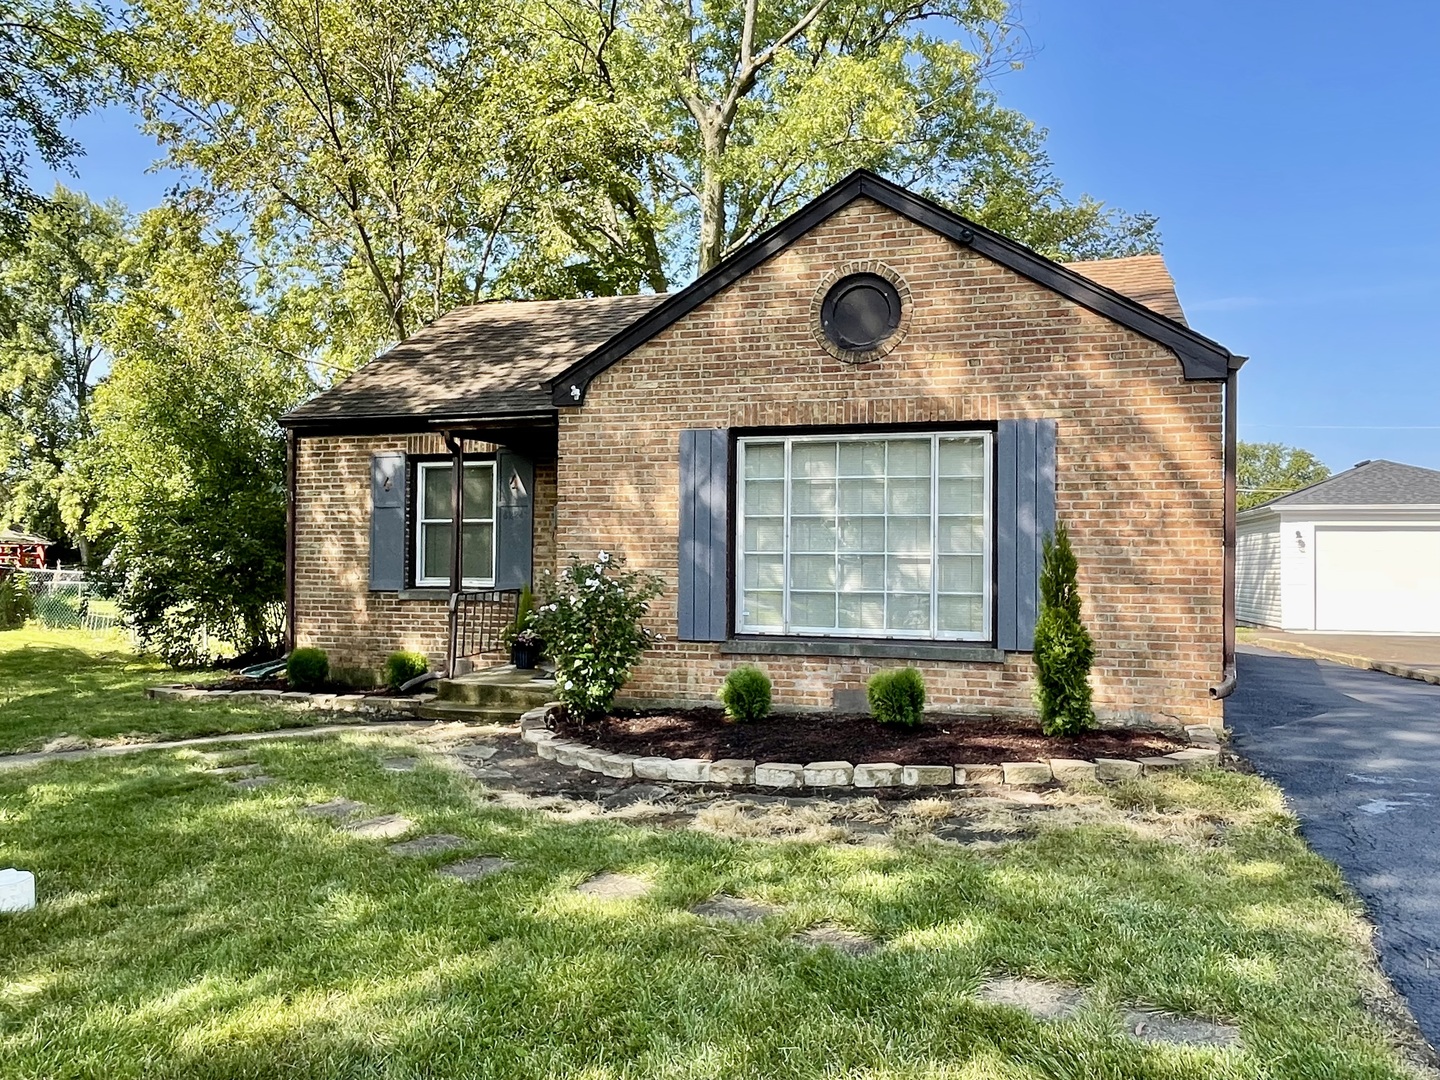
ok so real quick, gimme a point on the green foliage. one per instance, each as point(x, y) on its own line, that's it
point(1064, 650)
point(1266, 471)
point(746, 694)
point(522, 631)
point(401, 667)
point(897, 697)
point(590, 620)
point(15, 603)
point(353, 677)
point(307, 669)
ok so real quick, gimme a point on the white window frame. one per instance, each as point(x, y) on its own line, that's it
point(986, 633)
point(421, 522)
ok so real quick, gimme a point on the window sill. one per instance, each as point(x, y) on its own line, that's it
point(423, 592)
point(967, 652)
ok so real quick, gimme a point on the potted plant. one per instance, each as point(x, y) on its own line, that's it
point(526, 648)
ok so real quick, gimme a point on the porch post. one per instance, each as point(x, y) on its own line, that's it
point(456, 446)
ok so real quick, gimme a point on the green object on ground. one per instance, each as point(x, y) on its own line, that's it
point(897, 697)
point(1064, 649)
point(307, 669)
point(746, 694)
point(401, 667)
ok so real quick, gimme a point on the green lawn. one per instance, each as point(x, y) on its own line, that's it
point(92, 686)
point(188, 929)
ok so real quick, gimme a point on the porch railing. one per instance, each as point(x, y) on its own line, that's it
point(481, 619)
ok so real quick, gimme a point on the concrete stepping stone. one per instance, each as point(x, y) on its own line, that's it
point(384, 827)
point(734, 909)
point(335, 808)
point(838, 938)
point(399, 764)
point(475, 751)
point(638, 793)
point(475, 869)
point(428, 845)
point(1042, 1000)
point(246, 783)
point(1151, 1025)
point(231, 770)
point(612, 886)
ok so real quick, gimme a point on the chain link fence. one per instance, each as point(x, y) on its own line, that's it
point(68, 599)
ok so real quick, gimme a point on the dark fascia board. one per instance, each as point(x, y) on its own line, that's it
point(1200, 357)
point(408, 424)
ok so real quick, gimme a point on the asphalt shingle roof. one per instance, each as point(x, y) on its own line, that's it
point(492, 359)
point(1371, 483)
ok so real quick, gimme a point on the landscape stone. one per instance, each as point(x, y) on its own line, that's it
point(549, 749)
point(612, 886)
point(537, 734)
point(475, 869)
point(829, 774)
point(1026, 772)
point(1201, 733)
point(779, 774)
point(335, 808)
point(230, 770)
point(384, 827)
point(428, 845)
point(876, 774)
point(927, 775)
point(1153, 765)
point(322, 701)
point(979, 774)
point(652, 768)
point(592, 759)
point(248, 782)
point(1196, 757)
point(637, 793)
point(1152, 1026)
point(1042, 1000)
point(1116, 769)
point(734, 909)
point(732, 771)
point(399, 764)
point(568, 753)
point(689, 770)
point(296, 696)
point(476, 751)
point(837, 938)
point(534, 720)
point(619, 766)
point(1069, 770)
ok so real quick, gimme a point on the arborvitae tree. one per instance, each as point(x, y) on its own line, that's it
point(1064, 649)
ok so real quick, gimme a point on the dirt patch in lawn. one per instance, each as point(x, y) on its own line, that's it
point(803, 737)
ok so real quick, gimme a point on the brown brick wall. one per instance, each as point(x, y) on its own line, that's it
point(334, 607)
point(1140, 464)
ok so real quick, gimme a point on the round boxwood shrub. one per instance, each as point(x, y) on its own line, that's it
point(746, 694)
point(401, 667)
point(307, 669)
point(897, 697)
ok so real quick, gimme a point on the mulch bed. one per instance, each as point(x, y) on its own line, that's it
point(238, 682)
point(804, 737)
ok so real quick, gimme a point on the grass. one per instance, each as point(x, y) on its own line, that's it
point(191, 930)
point(56, 683)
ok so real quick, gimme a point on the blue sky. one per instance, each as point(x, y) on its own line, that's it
point(1291, 153)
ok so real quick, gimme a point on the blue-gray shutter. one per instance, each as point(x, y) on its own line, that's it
point(514, 519)
point(1025, 506)
point(704, 534)
point(387, 522)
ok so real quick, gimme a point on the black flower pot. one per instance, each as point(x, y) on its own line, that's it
point(525, 657)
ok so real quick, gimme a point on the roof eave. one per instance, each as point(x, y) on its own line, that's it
point(1201, 358)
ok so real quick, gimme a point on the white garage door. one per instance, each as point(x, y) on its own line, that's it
point(1377, 579)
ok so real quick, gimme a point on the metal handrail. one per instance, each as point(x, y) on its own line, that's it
point(481, 618)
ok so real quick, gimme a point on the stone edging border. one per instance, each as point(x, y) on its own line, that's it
point(1364, 663)
point(296, 699)
point(1203, 753)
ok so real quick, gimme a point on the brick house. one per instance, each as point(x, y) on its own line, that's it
point(840, 450)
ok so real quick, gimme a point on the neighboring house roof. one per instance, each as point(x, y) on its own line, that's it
point(482, 360)
point(10, 536)
point(1143, 278)
point(1371, 483)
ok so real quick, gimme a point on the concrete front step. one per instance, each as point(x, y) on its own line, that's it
point(502, 686)
point(472, 714)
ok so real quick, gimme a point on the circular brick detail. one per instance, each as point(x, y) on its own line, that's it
point(849, 269)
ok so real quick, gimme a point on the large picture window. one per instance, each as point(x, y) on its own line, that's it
point(865, 535)
point(434, 526)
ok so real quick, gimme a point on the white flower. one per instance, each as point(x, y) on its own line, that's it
point(603, 558)
point(590, 583)
point(569, 684)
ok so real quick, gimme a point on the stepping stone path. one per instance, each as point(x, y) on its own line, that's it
point(734, 909)
point(384, 827)
point(248, 782)
point(335, 808)
point(638, 793)
point(1042, 1000)
point(475, 869)
point(610, 886)
point(837, 938)
point(1153, 1026)
point(231, 770)
point(472, 752)
point(428, 845)
point(399, 764)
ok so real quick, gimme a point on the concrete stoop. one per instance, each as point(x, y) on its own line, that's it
point(495, 695)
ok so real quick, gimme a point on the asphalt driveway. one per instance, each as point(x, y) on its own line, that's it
point(1358, 754)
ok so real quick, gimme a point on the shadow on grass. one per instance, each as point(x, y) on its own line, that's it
point(190, 930)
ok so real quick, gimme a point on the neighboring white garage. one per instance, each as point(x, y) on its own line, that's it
point(1358, 553)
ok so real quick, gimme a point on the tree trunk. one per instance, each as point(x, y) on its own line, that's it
point(83, 543)
point(712, 216)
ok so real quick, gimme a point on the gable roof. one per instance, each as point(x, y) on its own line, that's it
point(1371, 483)
point(482, 360)
point(11, 536)
point(1200, 357)
point(1143, 278)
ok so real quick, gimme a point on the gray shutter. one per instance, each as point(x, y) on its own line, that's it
point(704, 534)
point(514, 519)
point(387, 522)
point(1025, 507)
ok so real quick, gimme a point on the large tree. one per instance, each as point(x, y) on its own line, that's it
point(1266, 471)
point(57, 284)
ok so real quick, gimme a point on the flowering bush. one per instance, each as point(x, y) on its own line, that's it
point(589, 618)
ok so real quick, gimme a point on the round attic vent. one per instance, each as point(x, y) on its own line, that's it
point(860, 312)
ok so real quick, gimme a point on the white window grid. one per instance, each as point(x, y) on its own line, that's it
point(788, 626)
point(421, 522)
